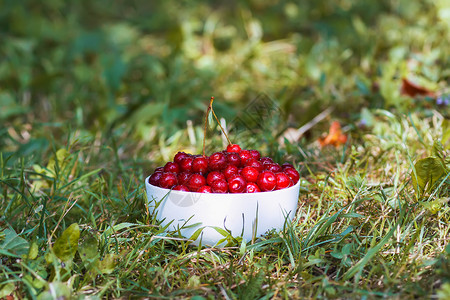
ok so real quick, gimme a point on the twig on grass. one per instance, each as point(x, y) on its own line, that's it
point(293, 135)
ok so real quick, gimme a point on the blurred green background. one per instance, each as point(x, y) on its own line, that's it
point(143, 68)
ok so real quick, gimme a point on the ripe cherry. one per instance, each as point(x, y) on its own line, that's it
point(230, 170)
point(200, 164)
point(155, 178)
point(217, 161)
point(273, 167)
point(219, 186)
point(283, 181)
point(267, 181)
point(181, 187)
point(237, 184)
point(265, 160)
point(255, 154)
point(186, 164)
point(171, 167)
point(195, 182)
point(168, 180)
point(183, 177)
point(233, 159)
point(252, 188)
point(287, 165)
point(204, 189)
point(180, 156)
point(213, 176)
point(159, 169)
point(255, 164)
point(293, 174)
point(245, 155)
point(250, 174)
point(233, 148)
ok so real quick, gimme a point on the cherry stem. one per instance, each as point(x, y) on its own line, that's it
point(218, 122)
point(206, 125)
point(210, 108)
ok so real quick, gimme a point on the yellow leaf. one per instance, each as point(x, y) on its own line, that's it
point(66, 245)
point(427, 172)
point(335, 136)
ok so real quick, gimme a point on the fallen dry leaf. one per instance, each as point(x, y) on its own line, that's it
point(411, 89)
point(335, 136)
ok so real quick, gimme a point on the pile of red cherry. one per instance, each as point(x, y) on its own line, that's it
point(233, 170)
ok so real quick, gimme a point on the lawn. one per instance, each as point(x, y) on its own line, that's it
point(94, 95)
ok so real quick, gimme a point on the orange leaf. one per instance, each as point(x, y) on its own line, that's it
point(411, 89)
point(335, 137)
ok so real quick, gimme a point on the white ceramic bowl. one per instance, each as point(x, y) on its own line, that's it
point(244, 215)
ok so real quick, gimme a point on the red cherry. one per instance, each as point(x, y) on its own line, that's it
point(183, 177)
point(180, 156)
point(265, 160)
point(252, 188)
point(273, 167)
point(293, 174)
point(255, 154)
point(155, 178)
point(283, 181)
point(267, 181)
point(168, 180)
point(219, 186)
point(233, 159)
point(171, 167)
point(204, 189)
point(186, 164)
point(287, 165)
point(181, 187)
point(213, 176)
point(200, 164)
point(233, 148)
point(217, 161)
point(255, 164)
point(237, 184)
point(159, 169)
point(230, 170)
point(245, 155)
point(250, 174)
point(195, 182)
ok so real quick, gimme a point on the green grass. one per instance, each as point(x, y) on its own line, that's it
point(94, 96)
